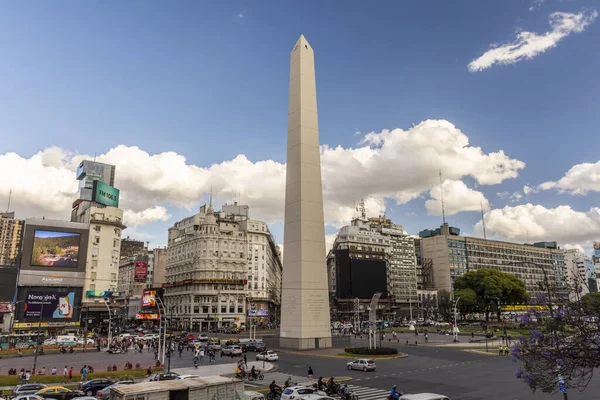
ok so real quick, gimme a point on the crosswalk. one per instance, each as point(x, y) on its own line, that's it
point(363, 392)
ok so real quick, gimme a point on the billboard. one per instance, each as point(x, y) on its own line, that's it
point(141, 271)
point(147, 317)
point(596, 256)
point(360, 278)
point(55, 249)
point(105, 194)
point(149, 298)
point(58, 304)
point(258, 313)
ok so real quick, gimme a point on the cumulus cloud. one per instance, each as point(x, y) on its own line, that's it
point(392, 165)
point(457, 197)
point(514, 197)
point(580, 179)
point(153, 214)
point(532, 223)
point(577, 247)
point(530, 44)
point(527, 190)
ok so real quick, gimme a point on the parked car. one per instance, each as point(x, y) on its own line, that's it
point(105, 393)
point(28, 388)
point(27, 397)
point(150, 336)
point(214, 345)
point(362, 364)
point(50, 342)
point(317, 397)
point(268, 355)
point(167, 376)
point(256, 346)
point(92, 386)
point(232, 341)
point(87, 341)
point(298, 392)
point(232, 350)
point(59, 393)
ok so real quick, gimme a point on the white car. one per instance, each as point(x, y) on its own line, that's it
point(233, 350)
point(150, 336)
point(187, 377)
point(87, 341)
point(50, 342)
point(423, 396)
point(299, 392)
point(316, 397)
point(268, 355)
point(362, 364)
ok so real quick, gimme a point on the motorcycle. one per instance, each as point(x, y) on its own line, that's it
point(259, 375)
point(276, 396)
point(397, 397)
point(333, 389)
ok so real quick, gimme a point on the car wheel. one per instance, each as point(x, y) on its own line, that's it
point(365, 369)
point(89, 393)
point(349, 367)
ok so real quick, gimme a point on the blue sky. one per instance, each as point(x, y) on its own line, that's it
point(53, 234)
point(209, 81)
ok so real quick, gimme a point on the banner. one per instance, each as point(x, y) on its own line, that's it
point(55, 305)
point(105, 194)
point(141, 271)
point(258, 313)
point(146, 317)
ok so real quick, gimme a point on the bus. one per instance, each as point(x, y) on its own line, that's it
point(20, 340)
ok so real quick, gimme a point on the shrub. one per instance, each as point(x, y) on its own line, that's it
point(371, 352)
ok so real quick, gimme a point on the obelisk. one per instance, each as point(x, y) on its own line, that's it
point(305, 320)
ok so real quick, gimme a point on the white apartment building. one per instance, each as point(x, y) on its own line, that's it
point(106, 225)
point(209, 261)
point(577, 265)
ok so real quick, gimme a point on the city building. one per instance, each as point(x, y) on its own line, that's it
point(98, 206)
point(133, 275)
point(373, 255)
point(157, 262)
point(453, 255)
point(90, 171)
point(11, 234)
point(130, 246)
point(210, 257)
point(577, 264)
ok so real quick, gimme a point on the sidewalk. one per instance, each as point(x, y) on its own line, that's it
point(221, 369)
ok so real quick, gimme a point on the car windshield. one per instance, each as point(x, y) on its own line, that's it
point(370, 362)
point(288, 391)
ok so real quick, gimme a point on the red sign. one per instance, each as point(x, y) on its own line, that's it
point(141, 271)
point(146, 316)
point(6, 307)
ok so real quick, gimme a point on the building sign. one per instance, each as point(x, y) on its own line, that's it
point(149, 298)
point(105, 194)
point(55, 249)
point(596, 256)
point(107, 293)
point(6, 307)
point(146, 317)
point(141, 271)
point(208, 280)
point(42, 278)
point(258, 313)
point(55, 305)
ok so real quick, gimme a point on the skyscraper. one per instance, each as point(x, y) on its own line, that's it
point(11, 231)
point(90, 171)
point(305, 322)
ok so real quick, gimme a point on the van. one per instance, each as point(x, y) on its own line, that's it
point(67, 340)
point(423, 396)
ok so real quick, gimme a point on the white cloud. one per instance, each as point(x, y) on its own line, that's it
point(457, 197)
point(580, 179)
point(530, 44)
point(398, 165)
point(527, 190)
point(153, 214)
point(536, 4)
point(578, 247)
point(532, 223)
point(515, 197)
point(242, 15)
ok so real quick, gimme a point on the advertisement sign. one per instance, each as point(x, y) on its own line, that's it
point(30, 325)
point(105, 194)
point(149, 298)
point(258, 313)
point(596, 256)
point(42, 278)
point(6, 307)
point(107, 293)
point(141, 271)
point(146, 317)
point(50, 305)
point(55, 249)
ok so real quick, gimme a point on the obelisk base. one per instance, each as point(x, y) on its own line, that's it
point(305, 343)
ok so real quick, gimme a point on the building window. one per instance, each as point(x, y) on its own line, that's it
point(97, 228)
point(223, 308)
point(214, 309)
point(240, 309)
point(196, 309)
point(96, 240)
point(205, 309)
point(231, 309)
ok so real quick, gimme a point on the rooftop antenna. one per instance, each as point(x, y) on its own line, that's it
point(147, 245)
point(442, 191)
point(9, 196)
point(483, 221)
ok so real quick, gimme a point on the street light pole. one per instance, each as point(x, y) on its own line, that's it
point(109, 323)
point(37, 339)
point(455, 326)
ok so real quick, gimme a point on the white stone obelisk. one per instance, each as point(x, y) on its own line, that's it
point(305, 322)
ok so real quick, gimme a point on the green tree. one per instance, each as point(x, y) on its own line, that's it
point(492, 286)
point(591, 301)
point(468, 303)
point(445, 305)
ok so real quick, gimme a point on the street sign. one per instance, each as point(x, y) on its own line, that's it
point(562, 387)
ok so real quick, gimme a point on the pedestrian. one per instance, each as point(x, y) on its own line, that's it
point(500, 351)
point(245, 359)
point(21, 376)
point(53, 371)
point(426, 337)
point(310, 374)
point(84, 373)
point(71, 374)
point(201, 355)
point(472, 335)
point(65, 374)
point(27, 376)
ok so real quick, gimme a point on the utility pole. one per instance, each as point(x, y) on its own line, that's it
point(109, 323)
point(37, 339)
point(455, 325)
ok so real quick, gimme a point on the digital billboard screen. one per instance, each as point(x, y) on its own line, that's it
point(105, 194)
point(55, 249)
point(149, 298)
point(49, 305)
point(360, 278)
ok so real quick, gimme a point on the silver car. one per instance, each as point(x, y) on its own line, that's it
point(233, 350)
point(362, 364)
point(27, 397)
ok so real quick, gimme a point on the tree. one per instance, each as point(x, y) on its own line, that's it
point(468, 303)
point(445, 305)
point(565, 346)
point(492, 287)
